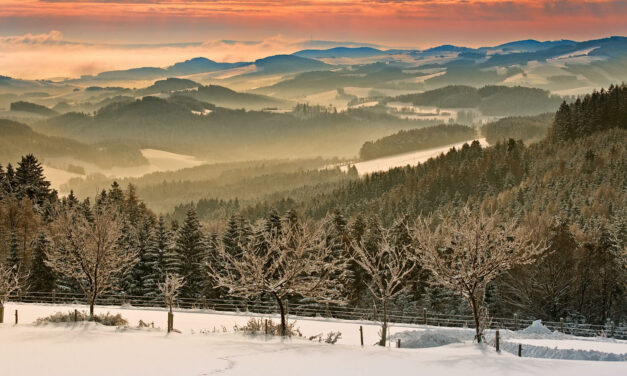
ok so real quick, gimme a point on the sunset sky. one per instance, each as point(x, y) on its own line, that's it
point(49, 38)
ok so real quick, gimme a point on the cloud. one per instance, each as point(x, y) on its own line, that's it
point(54, 37)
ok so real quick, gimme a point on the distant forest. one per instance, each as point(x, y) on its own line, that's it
point(416, 139)
point(490, 100)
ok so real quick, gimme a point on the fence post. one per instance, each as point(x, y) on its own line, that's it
point(54, 296)
point(424, 315)
point(16, 320)
point(398, 343)
point(1, 314)
point(562, 324)
point(170, 321)
point(75, 315)
point(266, 330)
point(361, 335)
point(515, 321)
point(612, 328)
point(519, 350)
point(497, 341)
point(374, 312)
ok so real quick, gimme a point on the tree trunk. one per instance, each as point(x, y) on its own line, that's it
point(475, 314)
point(282, 309)
point(384, 326)
point(92, 302)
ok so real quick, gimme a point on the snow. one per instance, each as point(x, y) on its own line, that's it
point(87, 348)
point(536, 327)
point(400, 160)
point(204, 112)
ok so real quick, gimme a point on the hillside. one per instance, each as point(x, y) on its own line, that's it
point(18, 139)
point(416, 139)
point(185, 125)
point(490, 100)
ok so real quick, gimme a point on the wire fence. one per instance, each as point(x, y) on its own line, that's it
point(259, 306)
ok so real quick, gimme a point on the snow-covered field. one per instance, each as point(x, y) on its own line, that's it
point(207, 345)
point(400, 160)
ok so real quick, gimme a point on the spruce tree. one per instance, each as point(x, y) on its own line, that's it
point(41, 278)
point(30, 180)
point(190, 246)
point(151, 272)
point(14, 260)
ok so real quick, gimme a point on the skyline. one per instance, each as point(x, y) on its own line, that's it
point(76, 37)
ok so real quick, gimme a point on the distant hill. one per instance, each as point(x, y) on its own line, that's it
point(288, 64)
point(32, 108)
point(168, 85)
point(17, 139)
point(225, 97)
point(354, 52)
point(184, 124)
point(490, 100)
point(200, 65)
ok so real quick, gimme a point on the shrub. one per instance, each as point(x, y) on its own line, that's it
point(106, 319)
point(258, 326)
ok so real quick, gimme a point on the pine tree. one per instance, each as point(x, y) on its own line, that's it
point(41, 278)
point(190, 246)
point(152, 274)
point(30, 180)
point(128, 242)
point(172, 263)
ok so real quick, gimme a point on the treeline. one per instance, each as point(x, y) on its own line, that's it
point(595, 112)
point(247, 181)
point(490, 100)
point(416, 139)
point(583, 265)
point(526, 128)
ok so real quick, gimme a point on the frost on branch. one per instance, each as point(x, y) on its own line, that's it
point(85, 249)
point(170, 288)
point(465, 251)
point(291, 261)
point(389, 266)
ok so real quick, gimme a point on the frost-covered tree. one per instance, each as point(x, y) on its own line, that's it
point(466, 250)
point(169, 289)
point(389, 267)
point(293, 264)
point(9, 282)
point(88, 252)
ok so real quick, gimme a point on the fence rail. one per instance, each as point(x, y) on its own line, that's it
point(395, 316)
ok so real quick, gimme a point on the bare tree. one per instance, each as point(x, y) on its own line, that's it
point(389, 267)
point(466, 250)
point(86, 250)
point(292, 261)
point(9, 282)
point(170, 290)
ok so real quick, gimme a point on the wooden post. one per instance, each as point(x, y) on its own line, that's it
point(562, 324)
point(266, 327)
point(75, 315)
point(424, 315)
point(519, 350)
point(361, 335)
point(612, 328)
point(374, 312)
point(16, 320)
point(515, 321)
point(170, 322)
point(497, 340)
point(54, 296)
point(398, 343)
point(1, 314)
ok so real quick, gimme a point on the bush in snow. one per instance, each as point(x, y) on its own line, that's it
point(60, 317)
point(261, 326)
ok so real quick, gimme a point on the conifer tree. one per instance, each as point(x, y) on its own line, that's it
point(30, 181)
point(41, 278)
point(14, 260)
point(190, 246)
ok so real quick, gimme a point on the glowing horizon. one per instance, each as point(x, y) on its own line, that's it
point(84, 37)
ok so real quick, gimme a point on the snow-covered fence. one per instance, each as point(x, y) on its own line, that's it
point(405, 316)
